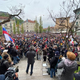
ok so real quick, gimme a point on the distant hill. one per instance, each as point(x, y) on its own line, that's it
point(6, 14)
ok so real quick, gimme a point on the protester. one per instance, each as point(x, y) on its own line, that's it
point(14, 55)
point(5, 65)
point(78, 47)
point(5, 53)
point(44, 53)
point(0, 54)
point(30, 56)
point(77, 75)
point(69, 65)
point(39, 53)
point(53, 64)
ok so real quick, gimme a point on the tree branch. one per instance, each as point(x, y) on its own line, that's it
point(11, 16)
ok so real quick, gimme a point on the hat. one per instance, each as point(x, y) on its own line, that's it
point(6, 56)
point(5, 50)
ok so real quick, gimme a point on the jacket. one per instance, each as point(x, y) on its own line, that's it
point(30, 55)
point(77, 75)
point(4, 65)
point(13, 52)
point(68, 69)
point(53, 62)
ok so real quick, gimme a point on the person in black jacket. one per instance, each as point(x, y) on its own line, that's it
point(44, 54)
point(77, 75)
point(14, 55)
point(4, 65)
point(30, 55)
point(53, 64)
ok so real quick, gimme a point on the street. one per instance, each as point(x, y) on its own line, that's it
point(37, 71)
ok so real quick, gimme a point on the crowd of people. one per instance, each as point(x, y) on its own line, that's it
point(52, 48)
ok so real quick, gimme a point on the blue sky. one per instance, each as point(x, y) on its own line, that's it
point(34, 8)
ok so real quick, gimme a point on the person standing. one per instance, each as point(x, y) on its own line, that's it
point(69, 65)
point(5, 64)
point(53, 64)
point(30, 56)
point(14, 55)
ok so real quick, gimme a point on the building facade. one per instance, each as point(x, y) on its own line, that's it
point(61, 25)
point(7, 25)
point(29, 25)
point(77, 23)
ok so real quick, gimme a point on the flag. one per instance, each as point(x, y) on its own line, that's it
point(7, 36)
point(72, 41)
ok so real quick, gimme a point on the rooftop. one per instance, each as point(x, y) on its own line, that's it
point(76, 10)
point(29, 21)
point(1, 17)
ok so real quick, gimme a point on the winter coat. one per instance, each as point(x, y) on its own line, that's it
point(30, 55)
point(68, 69)
point(77, 75)
point(4, 66)
point(40, 52)
point(53, 62)
point(44, 52)
point(13, 52)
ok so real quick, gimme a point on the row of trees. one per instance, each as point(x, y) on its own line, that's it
point(16, 28)
point(38, 26)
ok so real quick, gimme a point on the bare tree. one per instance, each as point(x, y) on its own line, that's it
point(67, 9)
point(15, 12)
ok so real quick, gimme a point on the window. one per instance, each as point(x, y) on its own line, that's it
point(5, 24)
point(77, 23)
point(62, 20)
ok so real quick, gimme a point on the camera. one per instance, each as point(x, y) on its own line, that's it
point(10, 73)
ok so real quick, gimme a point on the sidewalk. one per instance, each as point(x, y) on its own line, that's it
point(37, 71)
